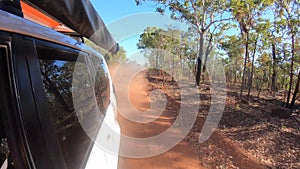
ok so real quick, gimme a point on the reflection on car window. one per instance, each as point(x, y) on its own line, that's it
point(57, 78)
point(101, 81)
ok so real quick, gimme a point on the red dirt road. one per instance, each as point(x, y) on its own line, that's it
point(181, 156)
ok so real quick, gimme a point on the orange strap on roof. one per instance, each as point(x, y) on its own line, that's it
point(34, 15)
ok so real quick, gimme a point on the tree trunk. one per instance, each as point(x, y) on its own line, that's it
point(252, 70)
point(235, 73)
point(259, 90)
point(198, 70)
point(207, 52)
point(295, 92)
point(156, 60)
point(274, 74)
point(199, 58)
point(245, 64)
point(173, 68)
point(291, 73)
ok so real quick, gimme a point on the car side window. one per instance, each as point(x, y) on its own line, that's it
point(102, 86)
point(69, 120)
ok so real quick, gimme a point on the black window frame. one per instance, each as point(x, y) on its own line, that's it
point(10, 107)
point(32, 137)
point(63, 53)
point(41, 145)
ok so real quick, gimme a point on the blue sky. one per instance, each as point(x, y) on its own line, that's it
point(114, 11)
point(111, 10)
point(126, 21)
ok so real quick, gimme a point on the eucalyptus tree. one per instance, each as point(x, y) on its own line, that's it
point(245, 12)
point(233, 47)
point(189, 50)
point(171, 49)
point(295, 92)
point(206, 16)
point(275, 38)
point(175, 47)
point(259, 40)
point(288, 15)
point(262, 73)
point(153, 40)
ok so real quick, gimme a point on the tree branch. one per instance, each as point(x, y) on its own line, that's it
point(220, 20)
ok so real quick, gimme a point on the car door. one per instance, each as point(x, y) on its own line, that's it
point(46, 129)
point(23, 125)
point(75, 116)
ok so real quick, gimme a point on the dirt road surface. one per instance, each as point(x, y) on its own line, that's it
point(181, 156)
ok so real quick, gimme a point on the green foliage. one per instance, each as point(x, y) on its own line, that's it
point(233, 46)
point(206, 16)
point(110, 58)
point(170, 50)
point(119, 57)
point(267, 40)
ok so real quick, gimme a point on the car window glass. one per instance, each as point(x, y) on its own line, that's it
point(101, 81)
point(58, 81)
